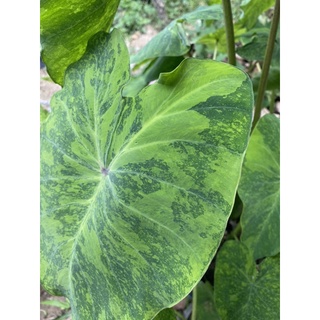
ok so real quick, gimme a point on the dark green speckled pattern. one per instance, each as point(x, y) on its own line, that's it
point(244, 290)
point(136, 192)
point(259, 189)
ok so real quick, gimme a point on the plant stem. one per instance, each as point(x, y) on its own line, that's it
point(194, 304)
point(234, 234)
point(227, 12)
point(266, 63)
point(272, 103)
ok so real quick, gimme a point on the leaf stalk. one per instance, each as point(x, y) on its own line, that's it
point(266, 63)
point(228, 21)
point(194, 303)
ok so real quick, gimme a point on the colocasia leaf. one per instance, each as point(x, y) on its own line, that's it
point(136, 192)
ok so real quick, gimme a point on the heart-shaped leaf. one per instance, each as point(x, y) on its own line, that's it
point(259, 189)
point(243, 290)
point(66, 27)
point(136, 192)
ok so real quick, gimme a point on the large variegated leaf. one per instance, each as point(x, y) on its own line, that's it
point(136, 192)
point(259, 189)
point(66, 27)
point(244, 290)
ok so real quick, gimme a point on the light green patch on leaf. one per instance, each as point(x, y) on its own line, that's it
point(136, 192)
point(205, 304)
point(172, 40)
point(66, 27)
point(259, 189)
point(244, 290)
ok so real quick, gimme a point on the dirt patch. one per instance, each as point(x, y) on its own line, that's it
point(51, 312)
point(47, 87)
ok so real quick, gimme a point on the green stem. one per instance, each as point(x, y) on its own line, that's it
point(215, 52)
point(266, 63)
point(235, 233)
point(194, 304)
point(272, 103)
point(228, 21)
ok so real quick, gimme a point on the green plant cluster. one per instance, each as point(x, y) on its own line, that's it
point(152, 192)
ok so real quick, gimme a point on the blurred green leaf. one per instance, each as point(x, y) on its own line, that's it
point(218, 40)
point(273, 82)
point(205, 304)
point(253, 10)
point(213, 12)
point(172, 40)
point(166, 314)
point(254, 50)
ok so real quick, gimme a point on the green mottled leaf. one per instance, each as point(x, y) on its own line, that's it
point(166, 314)
point(172, 40)
point(66, 27)
point(136, 192)
point(205, 305)
point(255, 50)
point(259, 189)
point(244, 290)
